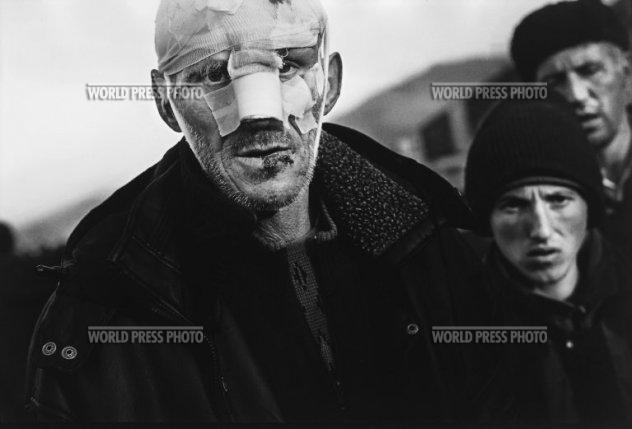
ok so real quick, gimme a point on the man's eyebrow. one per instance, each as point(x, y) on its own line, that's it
point(298, 50)
point(308, 54)
point(557, 74)
point(590, 63)
point(511, 197)
point(554, 192)
point(202, 66)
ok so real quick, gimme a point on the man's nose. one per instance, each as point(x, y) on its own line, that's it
point(262, 124)
point(577, 90)
point(540, 227)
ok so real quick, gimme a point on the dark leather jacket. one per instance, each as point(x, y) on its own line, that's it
point(123, 266)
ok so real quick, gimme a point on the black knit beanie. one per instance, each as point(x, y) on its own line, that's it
point(531, 142)
point(559, 26)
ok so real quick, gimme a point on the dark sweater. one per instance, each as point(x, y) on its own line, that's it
point(257, 290)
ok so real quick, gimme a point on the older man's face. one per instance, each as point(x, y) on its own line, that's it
point(539, 229)
point(258, 166)
point(594, 79)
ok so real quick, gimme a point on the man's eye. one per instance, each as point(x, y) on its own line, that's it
point(558, 200)
point(589, 69)
point(288, 70)
point(556, 80)
point(216, 74)
point(512, 205)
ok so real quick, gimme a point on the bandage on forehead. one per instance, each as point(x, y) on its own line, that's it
point(189, 31)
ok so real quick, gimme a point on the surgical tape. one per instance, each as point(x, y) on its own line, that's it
point(259, 93)
point(189, 31)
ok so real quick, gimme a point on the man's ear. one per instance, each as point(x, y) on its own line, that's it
point(334, 81)
point(159, 89)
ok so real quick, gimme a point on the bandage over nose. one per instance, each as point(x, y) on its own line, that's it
point(257, 92)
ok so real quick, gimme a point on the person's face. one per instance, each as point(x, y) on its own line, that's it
point(258, 166)
point(594, 79)
point(539, 229)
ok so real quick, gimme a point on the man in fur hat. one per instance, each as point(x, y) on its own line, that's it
point(581, 50)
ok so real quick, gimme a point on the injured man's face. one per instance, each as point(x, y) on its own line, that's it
point(255, 131)
point(256, 141)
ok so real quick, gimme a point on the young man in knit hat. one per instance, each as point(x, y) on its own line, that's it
point(581, 50)
point(534, 183)
point(312, 256)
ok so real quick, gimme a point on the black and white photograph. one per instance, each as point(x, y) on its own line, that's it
point(316, 213)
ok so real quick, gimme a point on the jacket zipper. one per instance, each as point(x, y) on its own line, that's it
point(217, 380)
point(166, 311)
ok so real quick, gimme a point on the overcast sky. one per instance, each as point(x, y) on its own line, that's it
point(56, 147)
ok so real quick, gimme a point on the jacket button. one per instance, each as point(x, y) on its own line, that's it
point(69, 352)
point(49, 348)
point(569, 344)
point(412, 329)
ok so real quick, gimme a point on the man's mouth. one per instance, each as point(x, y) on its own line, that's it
point(270, 157)
point(261, 151)
point(543, 254)
point(588, 120)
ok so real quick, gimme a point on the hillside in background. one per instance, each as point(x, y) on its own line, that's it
point(435, 132)
point(53, 230)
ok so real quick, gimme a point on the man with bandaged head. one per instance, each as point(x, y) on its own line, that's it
point(315, 260)
point(581, 50)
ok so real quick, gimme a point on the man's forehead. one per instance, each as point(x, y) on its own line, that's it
point(188, 31)
point(576, 56)
point(539, 189)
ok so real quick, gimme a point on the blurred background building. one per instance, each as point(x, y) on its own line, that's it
point(438, 132)
point(433, 132)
